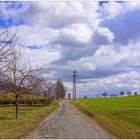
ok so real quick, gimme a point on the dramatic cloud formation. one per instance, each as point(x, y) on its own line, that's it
point(100, 40)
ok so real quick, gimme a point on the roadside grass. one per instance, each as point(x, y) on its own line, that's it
point(120, 116)
point(30, 117)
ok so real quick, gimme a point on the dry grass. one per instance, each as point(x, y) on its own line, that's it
point(30, 118)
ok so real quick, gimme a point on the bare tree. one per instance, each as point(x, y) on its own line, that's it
point(47, 92)
point(19, 78)
point(7, 41)
point(60, 89)
point(50, 94)
point(46, 87)
point(40, 88)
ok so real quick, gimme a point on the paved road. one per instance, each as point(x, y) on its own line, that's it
point(67, 122)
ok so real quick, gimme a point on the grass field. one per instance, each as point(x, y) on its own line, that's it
point(29, 120)
point(121, 116)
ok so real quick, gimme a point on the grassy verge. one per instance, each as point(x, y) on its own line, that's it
point(30, 118)
point(120, 116)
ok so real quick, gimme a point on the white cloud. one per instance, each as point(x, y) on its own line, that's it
point(111, 9)
point(82, 64)
point(75, 34)
point(101, 42)
point(46, 13)
point(103, 35)
point(41, 56)
point(37, 35)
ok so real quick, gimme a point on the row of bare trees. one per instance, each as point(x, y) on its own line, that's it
point(60, 89)
point(17, 75)
point(122, 93)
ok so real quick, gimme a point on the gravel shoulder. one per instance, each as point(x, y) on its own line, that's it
point(68, 122)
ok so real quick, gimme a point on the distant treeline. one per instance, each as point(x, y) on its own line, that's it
point(122, 93)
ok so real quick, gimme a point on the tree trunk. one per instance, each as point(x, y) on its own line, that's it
point(17, 109)
point(38, 102)
point(45, 101)
point(48, 102)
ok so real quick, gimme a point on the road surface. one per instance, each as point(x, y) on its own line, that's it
point(67, 122)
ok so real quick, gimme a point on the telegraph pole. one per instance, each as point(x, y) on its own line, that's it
point(74, 84)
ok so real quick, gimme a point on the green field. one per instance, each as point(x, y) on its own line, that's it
point(29, 120)
point(121, 115)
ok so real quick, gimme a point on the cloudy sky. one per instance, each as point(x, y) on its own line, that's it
point(101, 40)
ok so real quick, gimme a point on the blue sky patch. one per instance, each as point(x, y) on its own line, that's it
point(34, 46)
point(5, 23)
